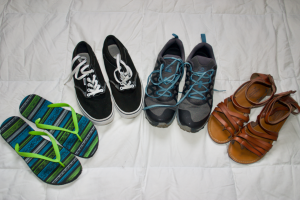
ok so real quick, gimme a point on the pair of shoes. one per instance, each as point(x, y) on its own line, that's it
point(194, 107)
point(251, 142)
point(93, 95)
point(50, 162)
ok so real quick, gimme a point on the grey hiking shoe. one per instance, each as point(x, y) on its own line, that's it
point(197, 96)
point(162, 84)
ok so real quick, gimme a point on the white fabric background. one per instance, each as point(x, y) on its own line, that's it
point(135, 160)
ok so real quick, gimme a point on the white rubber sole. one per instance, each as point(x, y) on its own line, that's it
point(99, 122)
point(133, 114)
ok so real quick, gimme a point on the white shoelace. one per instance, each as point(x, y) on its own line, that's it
point(94, 86)
point(124, 76)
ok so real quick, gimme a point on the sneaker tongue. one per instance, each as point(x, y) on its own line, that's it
point(169, 70)
point(202, 64)
point(84, 56)
point(171, 56)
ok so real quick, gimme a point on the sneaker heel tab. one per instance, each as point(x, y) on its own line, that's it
point(175, 36)
point(203, 37)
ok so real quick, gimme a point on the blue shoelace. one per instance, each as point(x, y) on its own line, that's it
point(191, 93)
point(199, 76)
point(172, 80)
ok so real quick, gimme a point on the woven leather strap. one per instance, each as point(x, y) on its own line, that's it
point(256, 145)
point(253, 144)
point(237, 120)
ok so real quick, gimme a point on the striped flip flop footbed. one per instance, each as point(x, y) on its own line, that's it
point(33, 107)
point(15, 130)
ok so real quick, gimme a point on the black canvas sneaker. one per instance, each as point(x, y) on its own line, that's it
point(197, 96)
point(162, 84)
point(92, 93)
point(124, 80)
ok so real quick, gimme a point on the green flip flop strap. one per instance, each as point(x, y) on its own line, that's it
point(45, 126)
point(34, 155)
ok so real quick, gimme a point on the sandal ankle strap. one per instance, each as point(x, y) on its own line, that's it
point(269, 110)
point(255, 78)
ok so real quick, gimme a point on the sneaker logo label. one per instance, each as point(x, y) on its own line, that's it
point(202, 69)
point(168, 70)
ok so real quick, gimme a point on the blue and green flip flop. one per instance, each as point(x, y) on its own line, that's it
point(51, 163)
point(73, 131)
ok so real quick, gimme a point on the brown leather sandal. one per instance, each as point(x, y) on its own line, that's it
point(229, 117)
point(255, 139)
